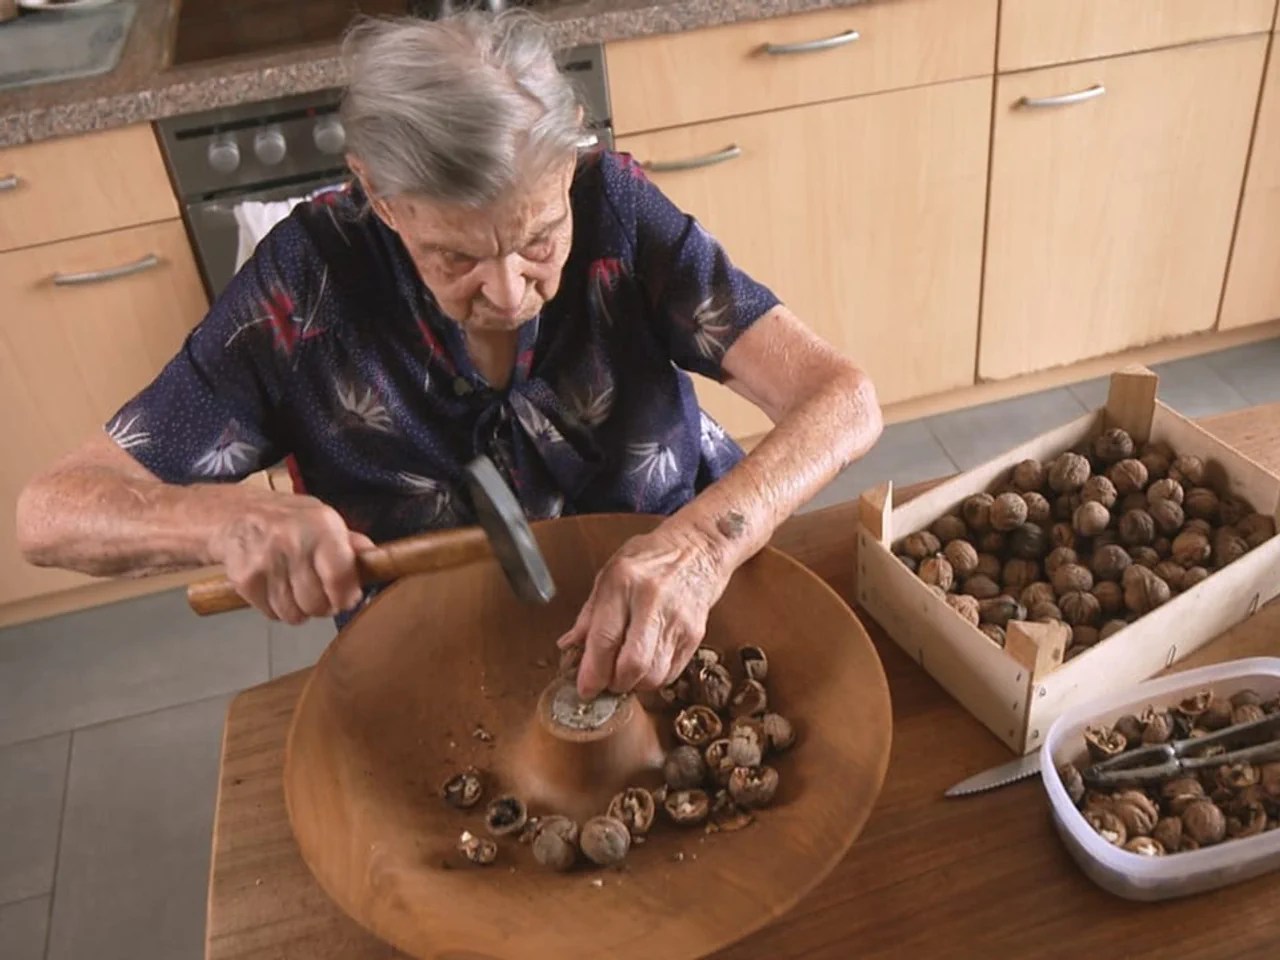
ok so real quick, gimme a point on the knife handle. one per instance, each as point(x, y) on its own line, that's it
point(422, 553)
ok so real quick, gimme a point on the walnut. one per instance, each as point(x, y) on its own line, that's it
point(1172, 573)
point(1104, 744)
point(1129, 476)
point(1137, 528)
point(1179, 793)
point(1108, 826)
point(1091, 518)
point(1079, 608)
point(964, 605)
point(980, 586)
point(1165, 489)
point(1246, 713)
point(909, 562)
point(1145, 556)
point(1257, 527)
point(1028, 475)
point(1202, 503)
point(1156, 463)
point(1157, 725)
point(1112, 445)
point(1192, 576)
point(1106, 538)
point(1068, 473)
point(1109, 562)
point(1059, 557)
point(1045, 612)
point(1000, 610)
point(684, 768)
point(1143, 814)
point(920, 546)
point(962, 557)
point(994, 634)
point(1217, 715)
point(1071, 779)
point(1007, 511)
point(1038, 592)
point(1028, 542)
point(1246, 697)
point(1167, 515)
point(1188, 471)
point(1062, 535)
point(1110, 597)
point(977, 511)
point(937, 570)
point(949, 527)
point(989, 565)
point(1203, 822)
point(1038, 509)
point(605, 840)
point(1232, 509)
point(1072, 576)
point(1064, 506)
point(1191, 548)
point(1111, 628)
point(992, 541)
point(1163, 547)
point(1228, 546)
point(1098, 489)
point(1143, 590)
point(1196, 525)
point(1132, 501)
point(1019, 573)
point(1083, 635)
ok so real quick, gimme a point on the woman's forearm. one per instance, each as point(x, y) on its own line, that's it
point(823, 433)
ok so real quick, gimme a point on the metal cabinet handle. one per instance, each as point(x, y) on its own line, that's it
point(1064, 99)
point(9, 183)
point(693, 163)
point(110, 273)
point(811, 46)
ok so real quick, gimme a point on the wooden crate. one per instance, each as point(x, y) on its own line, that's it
point(1019, 689)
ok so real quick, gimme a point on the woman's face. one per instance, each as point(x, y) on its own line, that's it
point(492, 268)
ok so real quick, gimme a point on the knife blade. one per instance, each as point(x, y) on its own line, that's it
point(1006, 773)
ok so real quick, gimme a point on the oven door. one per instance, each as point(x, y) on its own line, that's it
point(215, 232)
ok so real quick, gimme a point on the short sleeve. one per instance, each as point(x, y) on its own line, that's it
point(208, 416)
point(701, 302)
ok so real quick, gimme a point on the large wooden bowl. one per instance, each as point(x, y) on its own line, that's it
point(390, 712)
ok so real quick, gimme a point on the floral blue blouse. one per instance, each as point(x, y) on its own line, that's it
point(328, 350)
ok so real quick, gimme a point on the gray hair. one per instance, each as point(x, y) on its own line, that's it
point(457, 110)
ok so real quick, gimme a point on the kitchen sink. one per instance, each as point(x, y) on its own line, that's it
point(63, 45)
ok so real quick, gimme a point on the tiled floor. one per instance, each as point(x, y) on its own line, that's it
point(110, 720)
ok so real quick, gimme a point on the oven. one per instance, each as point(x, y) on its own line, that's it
point(233, 167)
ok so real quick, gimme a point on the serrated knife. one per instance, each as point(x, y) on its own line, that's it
point(1006, 773)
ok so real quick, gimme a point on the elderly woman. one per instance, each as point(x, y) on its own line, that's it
point(483, 287)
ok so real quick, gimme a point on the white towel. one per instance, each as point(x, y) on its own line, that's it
point(255, 219)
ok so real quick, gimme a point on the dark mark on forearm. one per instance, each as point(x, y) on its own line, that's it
point(732, 525)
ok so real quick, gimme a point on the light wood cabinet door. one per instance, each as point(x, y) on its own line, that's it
point(1253, 281)
point(863, 215)
point(70, 355)
point(1111, 217)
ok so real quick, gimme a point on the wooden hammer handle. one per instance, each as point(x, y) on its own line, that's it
point(398, 558)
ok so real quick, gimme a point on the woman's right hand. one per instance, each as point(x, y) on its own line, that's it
point(291, 557)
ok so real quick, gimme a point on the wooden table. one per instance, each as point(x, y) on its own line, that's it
point(929, 877)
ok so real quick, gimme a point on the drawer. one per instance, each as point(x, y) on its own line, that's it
point(666, 81)
point(1034, 33)
point(76, 186)
point(71, 354)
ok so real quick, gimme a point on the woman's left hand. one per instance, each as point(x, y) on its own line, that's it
point(647, 612)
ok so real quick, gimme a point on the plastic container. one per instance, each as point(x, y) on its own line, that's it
point(1131, 875)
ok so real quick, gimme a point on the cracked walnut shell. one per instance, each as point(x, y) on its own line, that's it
point(687, 807)
point(698, 725)
point(634, 808)
point(753, 786)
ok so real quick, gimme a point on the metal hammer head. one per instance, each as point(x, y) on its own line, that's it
point(509, 535)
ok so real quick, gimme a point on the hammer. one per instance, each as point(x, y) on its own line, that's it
point(503, 533)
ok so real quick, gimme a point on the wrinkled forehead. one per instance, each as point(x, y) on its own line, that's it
point(525, 211)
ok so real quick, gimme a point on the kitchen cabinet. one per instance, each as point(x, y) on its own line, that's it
point(71, 353)
point(864, 215)
point(745, 68)
point(1112, 207)
point(1253, 282)
point(76, 186)
point(1036, 33)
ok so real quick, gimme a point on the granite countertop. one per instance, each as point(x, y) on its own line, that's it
point(144, 87)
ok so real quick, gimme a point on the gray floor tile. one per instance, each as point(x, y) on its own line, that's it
point(1092, 393)
point(32, 778)
point(1253, 369)
point(973, 436)
point(22, 929)
point(293, 648)
point(133, 868)
point(1194, 389)
point(905, 453)
point(122, 659)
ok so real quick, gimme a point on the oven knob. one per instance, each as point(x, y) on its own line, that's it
point(329, 135)
point(269, 145)
point(224, 154)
